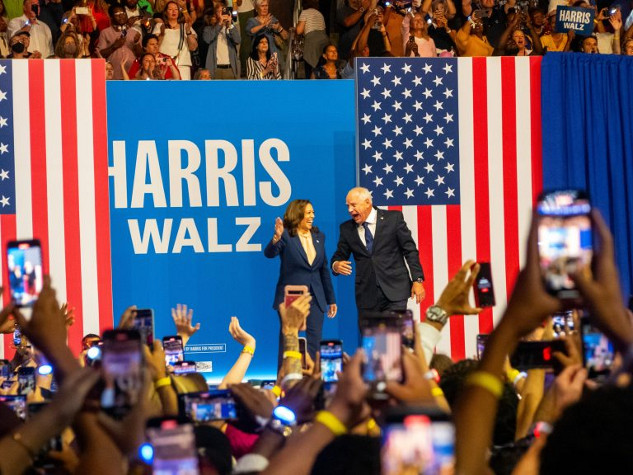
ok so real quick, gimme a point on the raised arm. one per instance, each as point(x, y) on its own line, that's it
point(182, 320)
point(500, 49)
point(276, 244)
point(536, 39)
point(238, 370)
point(616, 24)
point(475, 410)
point(347, 408)
point(364, 34)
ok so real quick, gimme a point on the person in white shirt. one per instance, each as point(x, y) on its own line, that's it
point(40, 33)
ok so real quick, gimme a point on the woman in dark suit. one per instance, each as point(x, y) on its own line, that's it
point(301, 247)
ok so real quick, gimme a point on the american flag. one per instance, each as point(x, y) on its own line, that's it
point(54, 181)
point(455, 143)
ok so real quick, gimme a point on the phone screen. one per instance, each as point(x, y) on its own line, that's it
point(210, 406)
point(331, 360)
point(184, 367)
point(174, 351)
point(564, 240)
point(17, 336)
point(144, 323)
point(17, 404)
point(26, 380)
point(303, 349)
point(407, 326)
point(563, 323)
point(5, 369)
point(122, 370)
point(484, 290)
point(174, 449)
point(482, 338)
point(26, 277)
point(537, 354)
point(418, 443)
point(383, 352)
point(598, 351)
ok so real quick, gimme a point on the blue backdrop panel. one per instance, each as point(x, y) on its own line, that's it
point(198, 173)
point(588, 139)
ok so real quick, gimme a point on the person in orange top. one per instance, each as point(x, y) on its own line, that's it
point(553, 40)
point(471, 40)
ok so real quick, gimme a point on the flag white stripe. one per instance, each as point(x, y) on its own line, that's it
point(22, 151)
point(55, 178)
point(495, 186)
point(524, 152)
point(467, 187)
point(87, 223)
point(440, 269)
point(410, 214)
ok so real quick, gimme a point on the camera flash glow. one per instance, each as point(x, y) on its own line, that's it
point(146, 453)
point(45, 369)
point(93, 353)
point(285, 414)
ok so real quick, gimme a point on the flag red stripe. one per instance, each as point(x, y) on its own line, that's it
point(7, 226)
point(510, 191)
point(482, 198)
point(425, 248)
point(535, 115)
point(71, 201)
point(102, 204)
point(454, 245)
point(39, 187)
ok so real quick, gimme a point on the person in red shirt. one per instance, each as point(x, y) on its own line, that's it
point(167, 66)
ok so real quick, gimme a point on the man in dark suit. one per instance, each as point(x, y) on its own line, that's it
point(381, 243)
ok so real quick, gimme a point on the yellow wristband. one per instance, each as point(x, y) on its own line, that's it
point(332, 422)
point(166, 381)
point(512, 374)
point(293, 354)
point(371, 424)
point(248, 349)
point(437, 392)
point(276, 390)
point(487, 381)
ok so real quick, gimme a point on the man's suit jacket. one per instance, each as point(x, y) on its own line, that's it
point(295, 270)
point(385, 266)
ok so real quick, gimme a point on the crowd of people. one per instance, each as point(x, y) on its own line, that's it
point(442, 416)
point(275, 39)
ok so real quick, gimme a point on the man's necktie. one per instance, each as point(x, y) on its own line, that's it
point(369, 238)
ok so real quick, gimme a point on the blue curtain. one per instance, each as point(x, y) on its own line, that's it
point(587, 116)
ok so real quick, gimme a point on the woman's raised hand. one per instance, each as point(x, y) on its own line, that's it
point(279, 228)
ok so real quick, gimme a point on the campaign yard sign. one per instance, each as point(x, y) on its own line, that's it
point(579, 20)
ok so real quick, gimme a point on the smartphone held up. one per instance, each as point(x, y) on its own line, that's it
point(564, 240)
point(26, 275)
point(122, 371)
point(382, 345)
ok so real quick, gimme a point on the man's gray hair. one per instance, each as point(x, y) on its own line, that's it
point(362, 193)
